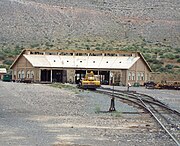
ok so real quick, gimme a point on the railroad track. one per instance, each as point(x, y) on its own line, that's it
point(168, 118)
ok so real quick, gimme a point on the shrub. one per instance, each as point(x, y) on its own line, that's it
point(162, 69)
point(98, 48)
point(2, 66)
point(146, 56)
point(177, 56)
point(34, 45)
point(169, 66)
point(178, 60)
point(162, 56)
point(177, 50)
point(157, 67)
point(169, 56)
point(7, 62)
point(155, 61)
point(17, 50)
point(2, 57)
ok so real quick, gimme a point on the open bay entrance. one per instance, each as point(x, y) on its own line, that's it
point(46, 75)
point(57, 76)
point(79, 74)
point(104, 77)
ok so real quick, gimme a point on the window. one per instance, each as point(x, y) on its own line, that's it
point(129, 76)
point(133, 76)
point(14, 73)
point(139, 76)
point(32, 74)
point(142, 76)
point(19, 74)
point(28, 74)
point(22, 74)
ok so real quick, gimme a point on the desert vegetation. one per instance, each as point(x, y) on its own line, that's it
point(149, 27)
point(161, 58)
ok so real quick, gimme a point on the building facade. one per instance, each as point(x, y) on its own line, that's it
point(3, 71)
point(118, 67)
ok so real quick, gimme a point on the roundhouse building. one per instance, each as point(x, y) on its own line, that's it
point(118, 67)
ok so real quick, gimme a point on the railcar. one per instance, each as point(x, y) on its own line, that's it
point(7, 78)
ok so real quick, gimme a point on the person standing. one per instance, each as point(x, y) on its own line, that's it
point(129, 85)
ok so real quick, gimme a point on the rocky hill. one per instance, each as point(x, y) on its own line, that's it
point(149, 26)
point(38, 21)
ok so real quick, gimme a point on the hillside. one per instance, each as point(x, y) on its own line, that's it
point(152, 27)
point(128, 20)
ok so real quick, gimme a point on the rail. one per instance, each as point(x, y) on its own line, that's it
point(143, 100)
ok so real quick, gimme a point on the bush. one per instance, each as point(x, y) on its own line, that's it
point(176, 66)
point(177, 56)
point(146, 56)
point(7, 62)
point(169, 66)
point(2, 66)
point(178, 60)
point(162, 56)
point(2, 57)
point(157, 67)
point(162, 69)
point(169, 56)
point(34, 45)
point(17, 50)
point(98, 48)
point(155, 61)
point(177, 50)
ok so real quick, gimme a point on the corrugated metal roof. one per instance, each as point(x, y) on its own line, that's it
point(3, 70)
point(111, 62)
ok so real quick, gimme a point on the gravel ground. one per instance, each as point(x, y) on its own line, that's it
point(40, 115)
point(170, 97)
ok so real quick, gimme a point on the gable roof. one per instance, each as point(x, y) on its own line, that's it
point(114, 62)
point(145, 61)
point(111, 62)
point(22, 52)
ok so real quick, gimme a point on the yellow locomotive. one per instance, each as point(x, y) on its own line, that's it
point(90, 81)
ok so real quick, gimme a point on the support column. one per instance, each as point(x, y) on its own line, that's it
point(136, 72)
point(126, 73)
point(111, 78)
point(51, 75)
point(39, 75)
